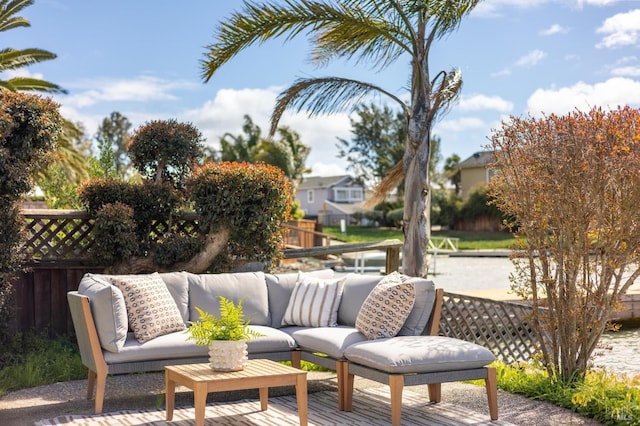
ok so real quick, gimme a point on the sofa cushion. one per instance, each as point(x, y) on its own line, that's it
point(151, 310)
point(385, 310)
point(422, 308)
point(272, 340)
point(169, 346)
point(332, 341)
point(178, 285)
point(108, 310)
point(419, 354)
point(205, 289)
point(314, 302)
point(280, 286)
point(356, 289)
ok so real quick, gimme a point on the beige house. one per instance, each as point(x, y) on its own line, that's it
point(475, 171)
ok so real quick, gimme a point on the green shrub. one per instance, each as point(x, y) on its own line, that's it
point(252, 199)
point(114, 233)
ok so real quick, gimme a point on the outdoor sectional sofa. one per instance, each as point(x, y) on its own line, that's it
point(416, 355)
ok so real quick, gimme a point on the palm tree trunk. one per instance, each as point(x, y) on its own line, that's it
point(416, 201)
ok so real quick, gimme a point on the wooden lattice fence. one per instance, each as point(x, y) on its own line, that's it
point(502, 327)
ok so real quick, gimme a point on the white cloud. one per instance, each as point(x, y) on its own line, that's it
point(21, 72)
point(531, 58)
point(141, 89)
point(225, 113)
point(622, 29)
point(582, 96)
point(629, 71)
point(459, 124)
point(554, 29)
point(502, 72)
point(484, 102)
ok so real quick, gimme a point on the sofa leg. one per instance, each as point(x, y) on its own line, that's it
point(348, 390)
point(342, 370)
point(101, 384)
point(396, 385)
point(491, 383)
point(435, 392)
point(296, 359)
point(91, 384)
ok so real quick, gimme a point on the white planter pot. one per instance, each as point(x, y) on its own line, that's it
point(228, 355)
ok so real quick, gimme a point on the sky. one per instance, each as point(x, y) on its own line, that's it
point(142, 58)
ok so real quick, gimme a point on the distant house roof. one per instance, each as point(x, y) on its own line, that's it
point(317, 182)
point(479, 159)
point(348, 208)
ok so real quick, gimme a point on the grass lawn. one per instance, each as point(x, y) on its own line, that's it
point(468, 240)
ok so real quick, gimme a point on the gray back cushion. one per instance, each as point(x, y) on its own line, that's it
point(422, 308)
point(356, 289)
point(108, 310)
point(280, 287)
point(205, 289)
point(178, 285)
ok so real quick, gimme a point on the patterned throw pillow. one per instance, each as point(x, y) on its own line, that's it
point(151, 310)
point(387, 307)
point(314, 302)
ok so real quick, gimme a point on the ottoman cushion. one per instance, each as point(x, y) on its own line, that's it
point(418, 354)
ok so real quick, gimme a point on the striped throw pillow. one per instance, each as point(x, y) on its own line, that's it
point(387, 307)
point(314, 302)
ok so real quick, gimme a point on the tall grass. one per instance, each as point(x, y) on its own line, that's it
point(609, 398)
point(34, 360)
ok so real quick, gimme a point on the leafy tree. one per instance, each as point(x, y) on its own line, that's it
point(286, 152)
point(452, 171)
point(166, 151)
point(377, 144)
point(29, 126)
point(572, 186)
point(241, 147)
point(12, 59)
point(114, 134)
point(377, 31)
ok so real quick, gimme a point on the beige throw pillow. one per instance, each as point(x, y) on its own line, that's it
point(387, 307)
point(314, 302)
point(151, 310)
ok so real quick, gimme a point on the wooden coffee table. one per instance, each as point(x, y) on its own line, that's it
point(259, 373)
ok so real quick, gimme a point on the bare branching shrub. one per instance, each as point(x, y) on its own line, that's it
point(572, 186)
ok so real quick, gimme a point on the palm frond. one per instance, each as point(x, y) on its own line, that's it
point(14, 58)
point(363, 34)
point(10, 8)
point(388, 184)
point(448, 14)
point(32, 84)
point(446, 92)
point(325, 95)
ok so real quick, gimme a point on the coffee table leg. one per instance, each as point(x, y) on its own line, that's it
point(170, 395)
point(301, 398)
point(264, 397)
point(199, 402)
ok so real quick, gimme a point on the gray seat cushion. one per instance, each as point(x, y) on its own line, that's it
point(332, 341)
point(273, 340)
point(419, 354)
point(177, 345)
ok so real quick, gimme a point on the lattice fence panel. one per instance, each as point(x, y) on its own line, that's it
point(64, 237)
point(502, 327)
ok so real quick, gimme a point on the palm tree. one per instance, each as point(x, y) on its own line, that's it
point(377, 31)
point(11, 59)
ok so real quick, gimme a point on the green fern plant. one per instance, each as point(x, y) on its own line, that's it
point(230, 325)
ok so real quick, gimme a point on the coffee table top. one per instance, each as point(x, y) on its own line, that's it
point(254, 368)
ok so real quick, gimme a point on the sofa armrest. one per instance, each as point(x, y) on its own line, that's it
point(433, 325)
point(86, 334)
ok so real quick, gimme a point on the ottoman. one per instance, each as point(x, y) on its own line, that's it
point(419, 360)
